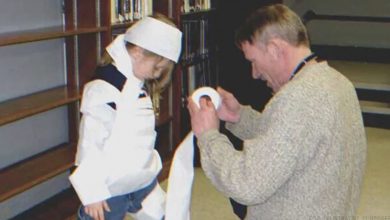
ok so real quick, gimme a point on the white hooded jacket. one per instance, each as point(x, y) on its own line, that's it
point(115, 153)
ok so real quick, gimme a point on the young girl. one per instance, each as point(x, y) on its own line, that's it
point(117, 164)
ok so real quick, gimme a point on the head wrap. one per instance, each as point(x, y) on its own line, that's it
point(157, 37)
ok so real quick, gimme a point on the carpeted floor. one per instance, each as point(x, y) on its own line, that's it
point(209, 204)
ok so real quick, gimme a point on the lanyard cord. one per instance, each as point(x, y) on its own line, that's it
point(302, 64)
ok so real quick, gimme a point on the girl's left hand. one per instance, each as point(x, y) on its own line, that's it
point(96, 210)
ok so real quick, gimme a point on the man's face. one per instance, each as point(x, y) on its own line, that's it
point(262, 66)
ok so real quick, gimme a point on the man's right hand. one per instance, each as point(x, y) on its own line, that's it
point(230, 108)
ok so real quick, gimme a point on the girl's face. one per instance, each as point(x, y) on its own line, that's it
point(148, 67)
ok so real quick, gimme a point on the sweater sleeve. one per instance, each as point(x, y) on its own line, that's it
point(268, 159)
point(248, 126)
point(89, 178)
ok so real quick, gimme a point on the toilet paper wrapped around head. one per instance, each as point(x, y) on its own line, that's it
point(157, 37)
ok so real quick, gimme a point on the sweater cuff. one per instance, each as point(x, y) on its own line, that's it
point(207, 136)
point(244, 116)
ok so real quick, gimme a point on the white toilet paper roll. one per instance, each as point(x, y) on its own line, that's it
point(207, 91)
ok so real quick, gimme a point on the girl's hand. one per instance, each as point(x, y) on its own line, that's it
point(96, 210)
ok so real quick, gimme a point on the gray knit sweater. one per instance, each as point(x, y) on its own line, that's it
point(303, 156)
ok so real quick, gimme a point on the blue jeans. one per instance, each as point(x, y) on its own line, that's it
point(122, 204)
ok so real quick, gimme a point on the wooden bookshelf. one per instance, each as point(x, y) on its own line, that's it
point(29, 105)
point(86, 31)
point(35, 170)
point(44, 34)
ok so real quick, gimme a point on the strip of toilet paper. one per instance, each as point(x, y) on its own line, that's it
point(181, 173)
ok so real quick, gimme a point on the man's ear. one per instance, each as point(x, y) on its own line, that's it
point(275, 48)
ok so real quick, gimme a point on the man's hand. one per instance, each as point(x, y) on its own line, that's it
point(96, 210)
point(204, 117)
point(230, 108)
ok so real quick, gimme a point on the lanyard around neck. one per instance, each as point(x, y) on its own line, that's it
point(302, 64)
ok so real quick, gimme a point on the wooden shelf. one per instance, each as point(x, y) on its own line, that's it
point(25, 106)
point(122, 25)
point(198, 13)
point(65, 204)
point(35, 170)
point(44, 34)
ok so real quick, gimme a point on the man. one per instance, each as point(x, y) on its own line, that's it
point(304, 155)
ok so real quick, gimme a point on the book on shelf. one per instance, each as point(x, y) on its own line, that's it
point(199, 64)
point(198, 75)
point(196, 5)
point(197, 39)
point(130, 10)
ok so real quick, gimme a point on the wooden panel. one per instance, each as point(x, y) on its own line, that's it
point(87, 48)
point(43, 34)
point(160, 6)
point(73, 122)
point(105, 21)
point(163, 142)
point(26, 174)
point(86, 13)
point(69, 18)
point(105, 10)
point(164, 115)
point(177, 105)
point(19, 108)
point(72, 81)
point(105, 40)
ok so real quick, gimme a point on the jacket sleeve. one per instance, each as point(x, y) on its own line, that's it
point(89, 178)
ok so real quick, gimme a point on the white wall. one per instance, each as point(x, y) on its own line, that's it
point(27, 68)
point(343, 33)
